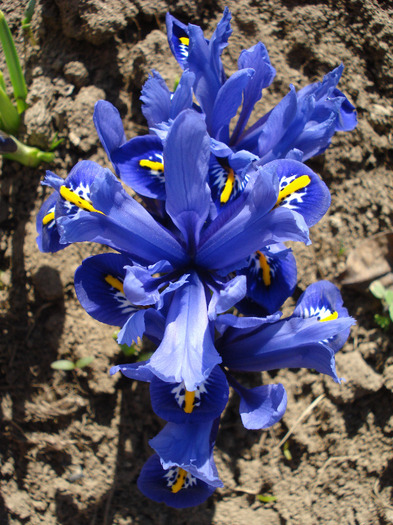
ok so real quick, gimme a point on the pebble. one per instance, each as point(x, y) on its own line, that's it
point(47, 284)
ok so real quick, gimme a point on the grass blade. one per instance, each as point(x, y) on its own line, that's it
point(13, 65)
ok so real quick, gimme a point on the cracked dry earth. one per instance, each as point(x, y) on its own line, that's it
point(72, 443)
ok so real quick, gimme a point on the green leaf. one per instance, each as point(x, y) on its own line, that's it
point(9, 115)
point(84, 361)
point(286, 451)
point(63, 364)
point(377, 289)
point(28, 155)
point(29, 12)
point(11, 57)
point(265, 498)
point(144, 356)
point(389, 297)
point(128, 350)
point(382, 321)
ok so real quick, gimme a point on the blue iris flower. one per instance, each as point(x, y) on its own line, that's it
point(299, 127)
point(194, 254)
point(309, 338)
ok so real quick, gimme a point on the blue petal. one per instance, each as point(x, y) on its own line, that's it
point(140, 164)
point(137, 371)
point(227, 102)
point(156, 99)
point(188, 446)
point(109, 126)
point(230, 239)
point(118, 220)
point(99, 288)
point(133, 329)
point(300, 190)
point(271, 277)
point(187, 351)
point(261, 407)
point(268, 130)
point(202, 61)
point(178, 39)
point(228, 176)
point(289, 343)
point(346, 119)
point(209, 399)
point(182, 97)
point(256, 58)
point(322, 300)
point(48, 238)
point(156, 483)
point(227, 295)
point(219, 41)
point(186, 157)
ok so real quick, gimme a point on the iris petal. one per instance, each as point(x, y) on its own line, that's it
point(99, 288)
point(209, 399)
point(140, 164)
point(156, 483)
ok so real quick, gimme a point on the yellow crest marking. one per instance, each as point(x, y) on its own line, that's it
point(151, 165)
point(74, 198)
point(265, 269)
point(115, 283)
point(184, 40)
point(181, 477)
point(297, 184)
point(189, 402)
point(48, 218)
point(330, 317)
point(228, 188)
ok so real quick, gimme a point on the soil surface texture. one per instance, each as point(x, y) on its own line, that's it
point(72, 443)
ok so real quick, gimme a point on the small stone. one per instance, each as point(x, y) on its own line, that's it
point(47, 284)
point(76, 73)
point(359, 378)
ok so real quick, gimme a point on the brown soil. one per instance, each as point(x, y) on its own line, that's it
point(73, 443)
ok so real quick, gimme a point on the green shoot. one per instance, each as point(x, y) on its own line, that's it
point(67, 364)
point(29, 12)
point(13, 65)
point(9, 115)
point(286, 451)
point(386, 297)
point(265, 498)
point(342, 249)
point(382, 321)
point(29, 155)
point(55, 143)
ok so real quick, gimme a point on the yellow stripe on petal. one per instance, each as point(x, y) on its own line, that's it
point(115, 283)
point(228, 188)
point(151, 165)
point(48, 218)
point(181, 477)
point(297, 184)
point(331, 317)
point(74, 198)
point(189, 402)
point(184, 40)
point(264, 265)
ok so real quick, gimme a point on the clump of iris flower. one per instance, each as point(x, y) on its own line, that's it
point(195, 256)
point(204, 234)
